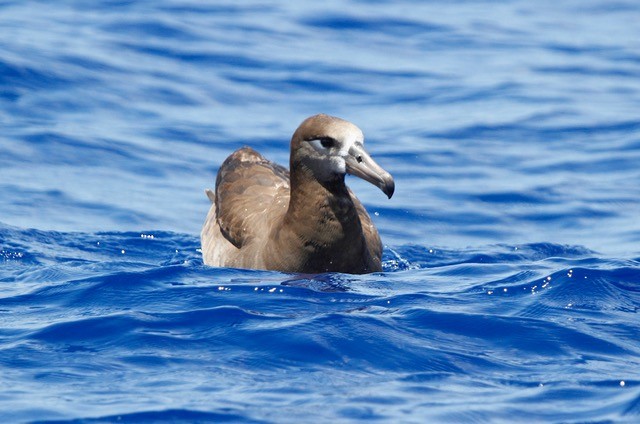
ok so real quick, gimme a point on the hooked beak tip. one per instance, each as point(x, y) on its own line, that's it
point(388, 186)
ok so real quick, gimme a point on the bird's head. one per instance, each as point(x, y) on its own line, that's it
point(331, 147)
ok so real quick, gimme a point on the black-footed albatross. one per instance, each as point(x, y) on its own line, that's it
point(306, 220)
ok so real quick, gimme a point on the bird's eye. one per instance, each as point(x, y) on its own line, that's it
point(327, 142)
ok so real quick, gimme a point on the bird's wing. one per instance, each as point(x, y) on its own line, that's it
point(246, 186)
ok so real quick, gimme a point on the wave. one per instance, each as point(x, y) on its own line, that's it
point(542, 322)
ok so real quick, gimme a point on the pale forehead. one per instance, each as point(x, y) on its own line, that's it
point(344, 130)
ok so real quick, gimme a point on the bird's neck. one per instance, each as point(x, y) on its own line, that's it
point(306, 184)
point(322, 219)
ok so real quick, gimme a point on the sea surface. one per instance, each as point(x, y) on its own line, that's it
point(511, 282)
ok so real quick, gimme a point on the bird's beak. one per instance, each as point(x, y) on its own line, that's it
point(360, 164)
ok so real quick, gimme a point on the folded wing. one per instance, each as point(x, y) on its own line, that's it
point(247, 187)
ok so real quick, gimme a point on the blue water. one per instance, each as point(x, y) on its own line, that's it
point(511, 282)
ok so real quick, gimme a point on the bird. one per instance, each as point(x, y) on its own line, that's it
point(303, 220)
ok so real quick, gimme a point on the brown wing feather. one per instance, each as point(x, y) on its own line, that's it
point(245, 188)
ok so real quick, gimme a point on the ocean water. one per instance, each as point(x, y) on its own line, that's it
point(511, 282)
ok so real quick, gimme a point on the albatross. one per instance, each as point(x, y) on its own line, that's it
point(305, 220)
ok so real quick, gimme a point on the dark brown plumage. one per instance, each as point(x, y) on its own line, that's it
point(306, 220)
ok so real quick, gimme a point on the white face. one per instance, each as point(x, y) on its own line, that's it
point(333, 147)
